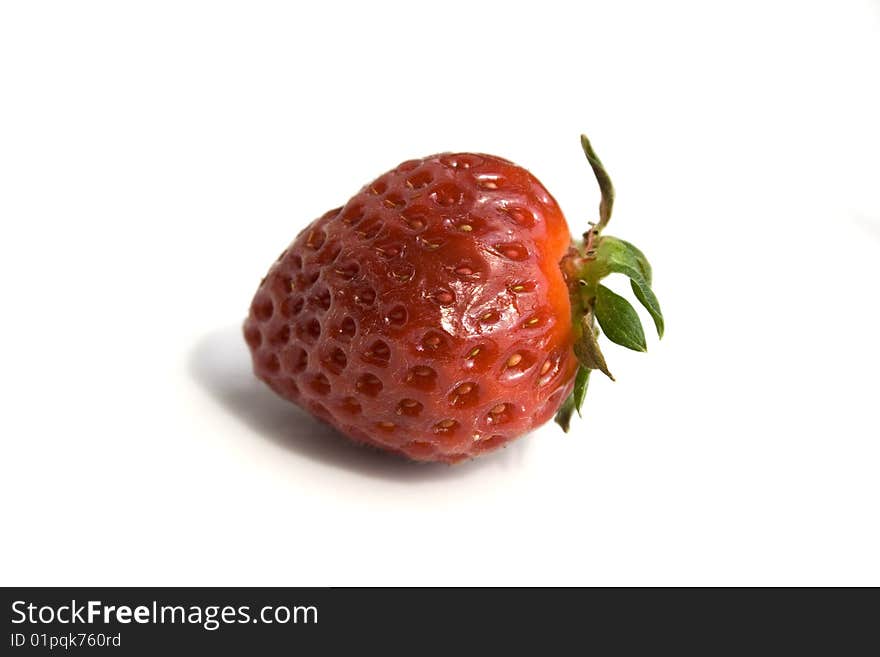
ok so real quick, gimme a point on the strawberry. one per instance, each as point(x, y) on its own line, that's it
point(444, 310)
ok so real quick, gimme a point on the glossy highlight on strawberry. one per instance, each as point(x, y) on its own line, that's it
point(428, 316)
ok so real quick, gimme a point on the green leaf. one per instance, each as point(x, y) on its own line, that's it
point(619, 320)
point(574, 401)
point(604, 181)
point(563, 415)
point(635, 253)
point(587, 350)
point(581, 381)
point(646, 297)
point(617, 256)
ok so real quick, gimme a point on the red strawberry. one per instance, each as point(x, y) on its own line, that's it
point(443, 311)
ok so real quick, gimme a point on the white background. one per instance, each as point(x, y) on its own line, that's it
point(156, 157)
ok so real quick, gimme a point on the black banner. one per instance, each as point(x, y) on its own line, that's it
point(132, 621)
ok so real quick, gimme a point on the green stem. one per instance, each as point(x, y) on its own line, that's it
point(604, 180)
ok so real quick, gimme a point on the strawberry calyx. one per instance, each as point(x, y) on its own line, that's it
point(595, 308)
